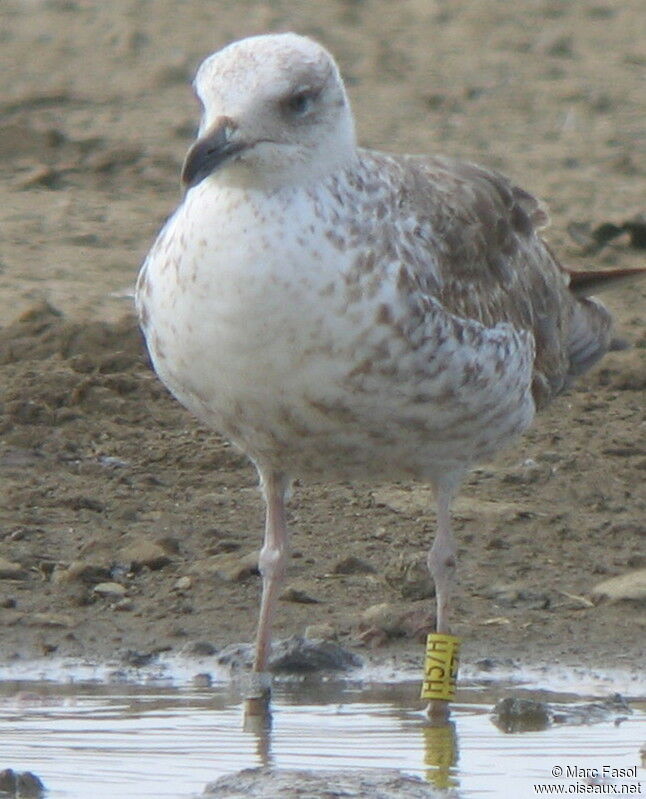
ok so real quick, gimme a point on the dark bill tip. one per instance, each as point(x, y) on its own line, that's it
point(209, 153)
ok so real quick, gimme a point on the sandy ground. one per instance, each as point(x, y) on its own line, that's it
point(104, 478)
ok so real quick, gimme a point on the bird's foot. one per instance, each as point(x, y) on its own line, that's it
point(258, 695)
point(438, 711)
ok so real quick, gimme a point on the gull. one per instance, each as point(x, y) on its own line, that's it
point(339, 313)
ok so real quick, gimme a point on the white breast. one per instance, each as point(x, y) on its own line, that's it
point(259, 322)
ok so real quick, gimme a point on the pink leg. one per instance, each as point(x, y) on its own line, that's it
point(442, 565)
point(442, 558)
point(272, 563)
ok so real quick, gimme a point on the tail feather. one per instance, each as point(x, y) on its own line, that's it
point(590, 335)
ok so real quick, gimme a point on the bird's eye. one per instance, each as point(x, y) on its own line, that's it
point(300, 103)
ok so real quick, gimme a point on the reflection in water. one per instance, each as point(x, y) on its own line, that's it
point(260, 727)
point(441, 754)
point(157, 740)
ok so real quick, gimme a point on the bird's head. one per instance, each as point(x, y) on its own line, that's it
point(275, 112)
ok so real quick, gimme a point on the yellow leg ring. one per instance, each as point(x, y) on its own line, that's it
point(441, 666)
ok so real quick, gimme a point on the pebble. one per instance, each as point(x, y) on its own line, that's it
point(517, 594)
point(183, 584)
point(132, 657)
point(295, 655)
point(86, 571)
point(111, 590)
point(268, 783)
point(11, 571)
point(513, 714)
point(23, 784)
point(50, 620)
point(528, 472)
point(353, 565)
point(231, 567)
point(143, 553)
point(630, 586)
point(385, 621)
point(298, 596)
point(223, 546)
point(201, 649)
point(408, 574)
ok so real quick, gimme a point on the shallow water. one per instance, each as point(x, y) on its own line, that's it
point(97, 738)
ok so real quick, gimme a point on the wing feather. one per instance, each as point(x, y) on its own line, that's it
point(491, 265)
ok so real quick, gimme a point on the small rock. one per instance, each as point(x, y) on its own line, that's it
point(408, 574)
point(517, 594)
point(491, 664)
point(111, 590)
point(524, 715)
point(385, 616)
point(236, 656)
point(85, 571)
point(138, 659)
point(297, 595)
point(29, 786)
point(170, 544)
point(50, 620)
point(384, 622)
point(8, 781)
point(22, 785)
point(268, 783)
point(183, 584)
point(201, 649)
point(521, 715)
point(353, 565)
point(528, 472)
point(11, 571)
point(82, 502)
point(298, 655)
point(231, 567)
point(223, 546)
point(631, 586)
point(143, 553)
point(322, 632)
point(124, 604)
point(293, 655)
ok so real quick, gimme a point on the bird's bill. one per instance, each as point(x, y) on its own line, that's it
point(210, 152)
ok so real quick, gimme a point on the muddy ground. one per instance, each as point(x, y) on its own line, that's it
point(105, 479)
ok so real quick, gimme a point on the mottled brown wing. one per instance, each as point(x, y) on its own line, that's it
point(493, 265)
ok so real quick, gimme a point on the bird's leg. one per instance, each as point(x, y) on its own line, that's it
point(272, 563)
point(441, 559)
point(442, 565)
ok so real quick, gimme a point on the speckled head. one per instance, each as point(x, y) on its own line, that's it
point(275, 112)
